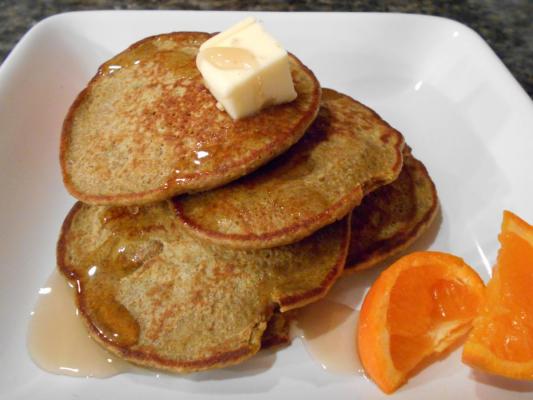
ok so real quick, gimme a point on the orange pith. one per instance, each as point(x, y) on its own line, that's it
point(501, 341)
point(417, 307)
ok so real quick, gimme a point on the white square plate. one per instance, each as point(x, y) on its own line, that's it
point(433, 79)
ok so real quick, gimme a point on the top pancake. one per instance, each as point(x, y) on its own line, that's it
point(393, 216)
point(146, 128)
point(347, 152)
point(157, 297)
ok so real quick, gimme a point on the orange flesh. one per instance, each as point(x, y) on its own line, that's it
point(417, 308)
point(421, 301)
point(506, 327)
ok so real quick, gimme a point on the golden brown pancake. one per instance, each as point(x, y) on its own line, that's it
point(145, 128)
point(392, 217)
point(160, 298)
point(347, 152)
point(277, 332)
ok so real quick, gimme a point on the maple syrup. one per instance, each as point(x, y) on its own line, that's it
point(58, 341)
point(227, 58)
point(179, 61)
point(328, 330)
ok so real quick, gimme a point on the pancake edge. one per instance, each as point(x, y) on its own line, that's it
point(299, 231)
point(414, 234)
point(302, 299)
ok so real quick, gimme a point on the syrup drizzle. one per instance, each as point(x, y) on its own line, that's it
point(227, 58)
point(236, 58)
point(328, 330)
point(158, 57)
point(59, 343)
point(179, 62)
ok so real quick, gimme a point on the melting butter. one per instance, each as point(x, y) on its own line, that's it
point(246, 69)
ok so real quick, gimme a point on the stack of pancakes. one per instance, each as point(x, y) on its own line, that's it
point(195, 234)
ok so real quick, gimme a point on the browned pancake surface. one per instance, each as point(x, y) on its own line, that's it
point(392, 217)
point(146, 128)
point(347, 152)
point(277, 332)
point(157, 297)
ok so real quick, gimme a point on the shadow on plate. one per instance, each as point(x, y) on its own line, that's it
point(220, 381)
point(483, 379)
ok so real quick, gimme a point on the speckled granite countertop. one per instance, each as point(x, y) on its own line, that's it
point(505, 24)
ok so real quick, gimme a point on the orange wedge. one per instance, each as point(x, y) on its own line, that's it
point(418, 307)
point(501, 341)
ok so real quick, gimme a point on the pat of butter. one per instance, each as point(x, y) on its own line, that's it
point(245, 69)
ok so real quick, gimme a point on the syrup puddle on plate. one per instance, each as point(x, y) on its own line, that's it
point(328, 330)
point(58, 341)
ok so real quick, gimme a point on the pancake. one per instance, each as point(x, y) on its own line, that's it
point(145, 128)
point(160, 298)
point(347, 152)
point(391, 218)
point(277, 332)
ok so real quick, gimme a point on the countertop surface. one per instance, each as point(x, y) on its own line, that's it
point(505, 24)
